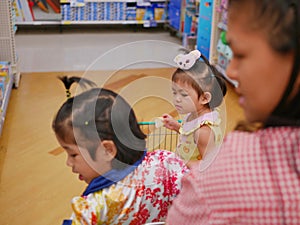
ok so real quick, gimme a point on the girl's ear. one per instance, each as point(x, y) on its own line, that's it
point(110, 149)
point(205, 98)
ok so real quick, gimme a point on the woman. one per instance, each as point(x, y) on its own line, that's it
point(255, 177)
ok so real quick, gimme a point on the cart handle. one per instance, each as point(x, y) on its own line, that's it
point(152, 122)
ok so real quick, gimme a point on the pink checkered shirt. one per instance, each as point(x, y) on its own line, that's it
point(254, 179)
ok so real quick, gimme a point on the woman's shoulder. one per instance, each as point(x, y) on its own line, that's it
point(249, 155)
point(242, 151)
point(243, 143)
point(270, 133)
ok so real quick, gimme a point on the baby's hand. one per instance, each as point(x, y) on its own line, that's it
point(170, 122)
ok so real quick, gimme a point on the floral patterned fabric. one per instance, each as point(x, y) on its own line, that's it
point(144, 196)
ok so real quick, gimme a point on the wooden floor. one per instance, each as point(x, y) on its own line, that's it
point(36, 185)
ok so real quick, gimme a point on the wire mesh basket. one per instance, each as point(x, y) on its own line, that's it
point(159, 137)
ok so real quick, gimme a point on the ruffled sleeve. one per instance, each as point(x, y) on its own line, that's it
point(210, 119)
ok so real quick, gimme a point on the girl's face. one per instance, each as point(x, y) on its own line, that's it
point(185, 98)
point(261, 72)
point(82, 164)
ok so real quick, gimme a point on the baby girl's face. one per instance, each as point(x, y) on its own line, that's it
point(185, 98)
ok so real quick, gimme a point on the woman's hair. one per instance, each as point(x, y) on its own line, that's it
point(96, 115)
point(203, 77)
point(280, 21)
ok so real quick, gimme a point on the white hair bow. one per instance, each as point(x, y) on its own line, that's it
point(186, 61)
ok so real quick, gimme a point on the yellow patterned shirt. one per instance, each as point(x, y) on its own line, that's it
point(187, 148)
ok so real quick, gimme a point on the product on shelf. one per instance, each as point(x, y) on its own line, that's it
point(159, 11)
point(23, 7)
point(54, 4)
point(174, 14)
point(223, 11)
point(224, 51)
point(5, 73)
point(190, 24)
point(8, 56)
point(2, 91)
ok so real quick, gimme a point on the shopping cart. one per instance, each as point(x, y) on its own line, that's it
point(159, 137)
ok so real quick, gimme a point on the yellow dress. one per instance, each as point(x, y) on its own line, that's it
point(187, 148)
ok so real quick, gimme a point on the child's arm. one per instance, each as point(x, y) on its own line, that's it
point(171, 123)
point(192, 163)
point(204, 137)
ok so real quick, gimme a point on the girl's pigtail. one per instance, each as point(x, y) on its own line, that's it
point(205, 60)
point(68, 81)
point(219, 76)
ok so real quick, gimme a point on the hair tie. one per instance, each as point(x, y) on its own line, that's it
point(186, 61)
point(68, 93)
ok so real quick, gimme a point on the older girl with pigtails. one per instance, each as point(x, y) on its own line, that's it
point(106, 148)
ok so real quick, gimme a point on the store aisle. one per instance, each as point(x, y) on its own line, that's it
point(35, 183)
point(76, 49)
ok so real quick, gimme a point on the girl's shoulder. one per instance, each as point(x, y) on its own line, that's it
point(210, 119)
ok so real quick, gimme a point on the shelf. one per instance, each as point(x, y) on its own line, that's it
point(7, 53)
point(70, 1)
point(5, 102)
point(107, 22)
point(85, 12)
point(16, 73)
point(128, 1)
point(39, 23)
point(104, 22)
